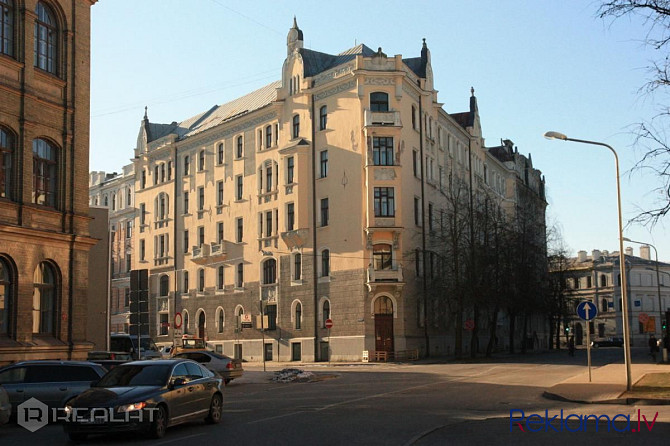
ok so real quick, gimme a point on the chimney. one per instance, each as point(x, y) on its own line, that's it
point(595, 255)
point(581, 256)
point(629, 251)
point(644, 252)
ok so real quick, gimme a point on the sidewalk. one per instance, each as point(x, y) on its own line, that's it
point(651, 385)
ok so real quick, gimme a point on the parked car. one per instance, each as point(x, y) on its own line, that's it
point(225, 366)
point(123, 342)
point(109, 360)
point(5, 406)
point(158, 394)
point(165, 351)
point(607, 342)
point(51, 382)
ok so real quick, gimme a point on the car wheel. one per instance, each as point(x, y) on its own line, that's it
point(77, 436)
point(159, 423)
point(215, 410)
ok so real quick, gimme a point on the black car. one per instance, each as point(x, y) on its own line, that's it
point(607, 342)
point(147, 396)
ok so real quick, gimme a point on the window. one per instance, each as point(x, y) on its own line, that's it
point(417, 262)
point(603, 280)
point(185, 202)
point(323, 117)
point(185, 324)
point(290, 216)
point(414, 117)
point(220, 319)
point(113, 202)
point(325, 263)
point(269, 272)
point(219, 193)
point(239, 282)
point(240, 148)
point(296, 126)
point(219, 232)
point(163, 325)
point(379, 102)
point(298, 316)
point(129, 229)
point(6, 152)
point(6, 297)
point(162, 172)
point(185, 290)
point(240, 230)
point(186, 244)
point(219, 154)
point(384, 202)
point(382, 257)
point(7, 27)
point(297, 266)
point(201, 236)
point(323, 157)
point(143, 181)
point(126, 299)
point(575, 283)
point(268, 136)
point(162, 205)
point(430, 216)
point(382, 151)
point(268, 224)
point(588, 282)
point(324, 212)
point(290, 168)
point(201, 160)
point(129, 197)
point(240, 187)
point(417, 211)
point(46, 40)
point(604, 306)
point(268, 179)
point(416, 168)
point(164, 285)
point(143, 216)
point(271, 313)
point(44, 299)
point(169, 170)
point(187, 165)
point(201, 280)
point(325, 311)
point(220, 281)
point(201, 198)
point(45, 173)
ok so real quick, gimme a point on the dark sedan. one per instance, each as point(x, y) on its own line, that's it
point(607, 342)
point(147, 396)
point(228, 368)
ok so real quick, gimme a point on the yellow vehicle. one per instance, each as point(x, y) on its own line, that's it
point(189, 343)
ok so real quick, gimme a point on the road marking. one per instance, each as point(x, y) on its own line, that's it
point(276, 417)
point(179, 439)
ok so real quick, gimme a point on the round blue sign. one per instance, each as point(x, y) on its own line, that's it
point(587, 310)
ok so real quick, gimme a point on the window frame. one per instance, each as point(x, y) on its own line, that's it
point(295, 128)
point(384, 201)
point(323, 117)
point(382, 154)
point(8, 28)
point(7, 155)
point(46, 39)
point(379, 102)
point(46, 184)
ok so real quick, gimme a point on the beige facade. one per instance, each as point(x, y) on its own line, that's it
point(44, 137)
point(308, 200)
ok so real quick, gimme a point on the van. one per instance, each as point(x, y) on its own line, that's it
point(123, 342)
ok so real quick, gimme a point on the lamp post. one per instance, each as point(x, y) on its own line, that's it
point(622, 260)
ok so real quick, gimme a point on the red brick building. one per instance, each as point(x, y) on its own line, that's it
point(44, 143)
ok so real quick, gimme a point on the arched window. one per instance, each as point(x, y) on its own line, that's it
point(603, 280)
point(325, 263)
point(45, 173)
point(296, 126)
point(240, 147)
point(7, 27)
point(269, 271)
point(202, 318)
point(201, 160)
point(297, 266)
point(384, 305)
point(46, 40)
point(6, 158)
point(604, 306)
point(201, 280)
point(185, 289)
point(298, 316)
point(323, 117)
point(44, 299)
point(6, 297)
point(164, 285)
point(220, 319)
point(325, 312)
point(185, 314)
point(379, 101)
point(220, 278)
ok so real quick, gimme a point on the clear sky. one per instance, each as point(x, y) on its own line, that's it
point(535, 66)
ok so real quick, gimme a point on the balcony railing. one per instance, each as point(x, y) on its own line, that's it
point(208, 252)
point(394, 274)
point(390, 118)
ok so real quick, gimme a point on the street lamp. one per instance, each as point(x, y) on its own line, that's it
point(622, 259)
point(658, 282)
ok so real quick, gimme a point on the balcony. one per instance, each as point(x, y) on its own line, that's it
point(208, 253)
point(393, 274)
point(385, 119)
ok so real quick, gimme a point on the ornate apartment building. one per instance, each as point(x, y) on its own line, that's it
point(307, 200)
point(115, 192)
point(44, 143)
point(596, 278)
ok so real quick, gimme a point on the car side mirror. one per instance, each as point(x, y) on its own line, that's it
point(177, 382)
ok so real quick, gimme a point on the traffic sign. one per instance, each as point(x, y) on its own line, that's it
point(177, 320)
point(329, 323)
point(643, 318)
point(469, 324)
point(587, 310)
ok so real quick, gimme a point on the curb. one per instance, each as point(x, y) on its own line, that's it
point(625, 401)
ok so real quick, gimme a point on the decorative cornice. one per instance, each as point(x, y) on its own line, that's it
point(335, 90)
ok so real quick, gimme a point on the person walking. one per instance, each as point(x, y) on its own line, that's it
point(571, 346)
point(653, 347)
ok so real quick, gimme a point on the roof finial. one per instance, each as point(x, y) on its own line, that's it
point(424, 43)
point(145, 112)
point(295, 22)
point(472, 91)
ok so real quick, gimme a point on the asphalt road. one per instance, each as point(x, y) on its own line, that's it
point(391, 404)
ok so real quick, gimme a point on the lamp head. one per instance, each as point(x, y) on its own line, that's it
point(626, 239)
point(555, 135)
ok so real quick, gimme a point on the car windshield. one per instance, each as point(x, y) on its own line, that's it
point(148, 344)
point(136, 375)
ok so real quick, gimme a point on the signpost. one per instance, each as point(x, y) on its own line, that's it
point(587, 311)
point(329, 325)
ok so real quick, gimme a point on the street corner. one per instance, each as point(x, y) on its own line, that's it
point(586, 393)
point(652, 388)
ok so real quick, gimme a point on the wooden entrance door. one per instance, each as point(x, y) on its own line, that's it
point(384, 332)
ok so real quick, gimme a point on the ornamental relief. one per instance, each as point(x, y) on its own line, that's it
point(379, 81)
point(333, 74)
point(385, 174)
point(334, 90)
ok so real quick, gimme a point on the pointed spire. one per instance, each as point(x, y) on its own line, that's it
point(295, 22)
point(146, 118)
point(472, 91)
